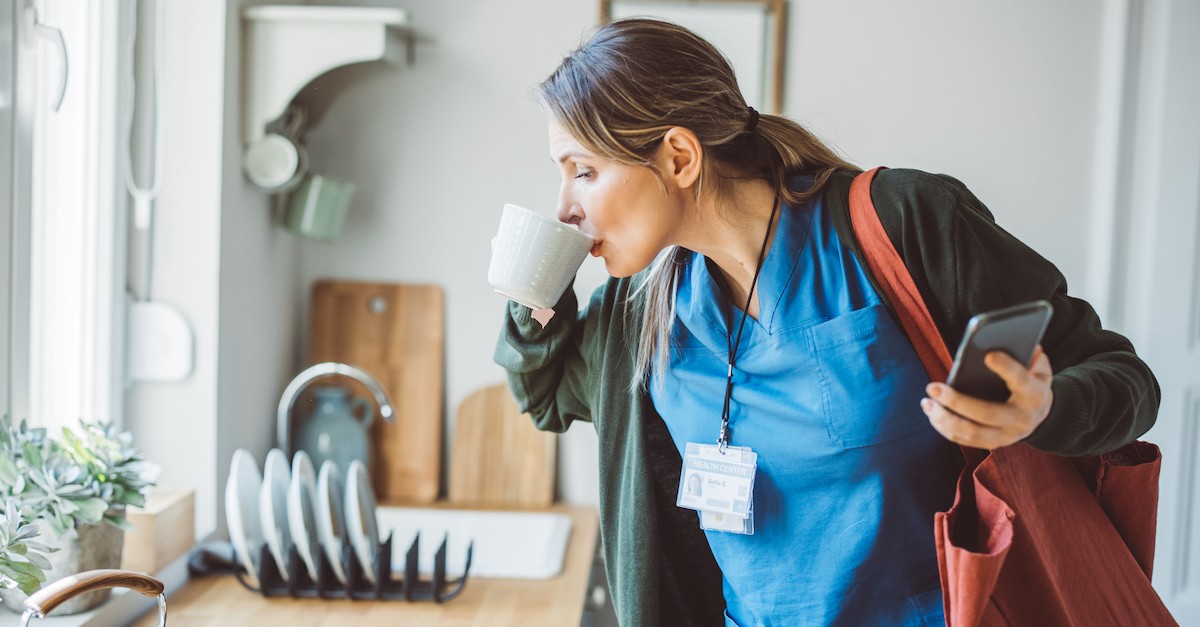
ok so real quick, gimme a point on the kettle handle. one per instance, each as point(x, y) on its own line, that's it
point(368, 410)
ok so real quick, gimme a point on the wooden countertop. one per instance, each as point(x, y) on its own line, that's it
point(556, 602)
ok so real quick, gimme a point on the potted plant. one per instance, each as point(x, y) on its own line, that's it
point(22, 562)
point(74, 489)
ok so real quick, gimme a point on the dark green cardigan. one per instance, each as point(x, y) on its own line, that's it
point(660, 569)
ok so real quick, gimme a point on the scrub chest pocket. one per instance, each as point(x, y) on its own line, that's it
point(871, 381)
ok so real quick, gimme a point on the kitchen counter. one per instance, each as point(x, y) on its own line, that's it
point(557, 602)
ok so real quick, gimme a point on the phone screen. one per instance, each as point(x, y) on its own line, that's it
point(1014, 330)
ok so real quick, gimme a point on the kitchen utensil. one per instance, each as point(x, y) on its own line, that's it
point(275, 163)
point(337, 428)
point(317, 208)
point(535, 257)
point(272, 507)
point(395, 333)
point(499, 458)
point(362, 528)
point(302, 521)
point(331, 520)
point(241, 511)
point(44, 601)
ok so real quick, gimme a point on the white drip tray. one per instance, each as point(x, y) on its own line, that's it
point(512, 545)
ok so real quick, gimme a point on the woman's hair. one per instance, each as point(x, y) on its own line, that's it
point(632, 81)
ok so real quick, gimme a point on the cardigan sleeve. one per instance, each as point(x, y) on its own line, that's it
point(547, 369)
point(964, 263)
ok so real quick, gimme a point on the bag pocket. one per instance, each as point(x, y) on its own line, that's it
point(927, 609)
point(871, 379)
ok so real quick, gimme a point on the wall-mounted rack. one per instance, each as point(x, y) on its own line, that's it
point(284, 48)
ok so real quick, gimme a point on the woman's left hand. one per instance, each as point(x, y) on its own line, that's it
point(977, 423)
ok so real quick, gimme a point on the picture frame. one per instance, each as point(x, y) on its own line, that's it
point(751, 33)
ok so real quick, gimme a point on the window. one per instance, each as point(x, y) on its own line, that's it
point(67, 234)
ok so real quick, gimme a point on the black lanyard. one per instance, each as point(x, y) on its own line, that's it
point(723, 437)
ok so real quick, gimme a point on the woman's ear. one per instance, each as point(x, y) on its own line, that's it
point(680, 157)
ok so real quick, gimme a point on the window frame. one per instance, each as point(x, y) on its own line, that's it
point(66, 313)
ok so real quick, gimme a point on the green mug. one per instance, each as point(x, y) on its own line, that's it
point(318, 206)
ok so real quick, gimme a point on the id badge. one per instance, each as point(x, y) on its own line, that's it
point(731, 524)
point(718, 482)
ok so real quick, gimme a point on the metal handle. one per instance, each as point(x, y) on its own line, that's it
point(320, 371)
point(45, 600)
point(54, 37)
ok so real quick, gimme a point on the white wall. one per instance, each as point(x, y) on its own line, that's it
point(436, 149)
point(221, 262)
point(259, 310)
point(175, 422)
point(1001, 95)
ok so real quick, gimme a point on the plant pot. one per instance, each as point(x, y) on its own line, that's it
point(88, 547)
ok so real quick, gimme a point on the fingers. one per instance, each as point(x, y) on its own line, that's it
point(983, 424)
point(543, 316)
point(974, 409)
point(1041, 365)
point(1015, 375)
point(962, 431)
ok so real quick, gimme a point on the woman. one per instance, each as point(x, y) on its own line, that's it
point(727, 236)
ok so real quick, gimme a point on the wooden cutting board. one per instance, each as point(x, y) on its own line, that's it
point(396, 333)
point(499, 458)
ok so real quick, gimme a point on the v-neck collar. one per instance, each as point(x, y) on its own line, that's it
point(702, 306)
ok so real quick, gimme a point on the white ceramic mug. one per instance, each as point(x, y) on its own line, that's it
point(535, 257)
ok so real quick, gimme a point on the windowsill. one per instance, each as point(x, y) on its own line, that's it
point(121, 609)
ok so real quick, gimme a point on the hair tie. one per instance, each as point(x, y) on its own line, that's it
point(752, 123)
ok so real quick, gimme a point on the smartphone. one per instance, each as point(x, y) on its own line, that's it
point(1014, 330)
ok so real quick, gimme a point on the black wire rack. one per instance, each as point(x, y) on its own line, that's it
point(388, 585)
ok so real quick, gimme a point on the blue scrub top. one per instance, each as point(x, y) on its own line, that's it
point(826, 391)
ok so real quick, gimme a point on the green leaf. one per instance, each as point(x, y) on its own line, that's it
point(8, 470)
point(39, 560)
point(23, 571)
point(41, 548)
point(25, 532)
point(118, 521)
point(91, 510)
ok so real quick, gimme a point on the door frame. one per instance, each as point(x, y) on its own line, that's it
point(1146, 254)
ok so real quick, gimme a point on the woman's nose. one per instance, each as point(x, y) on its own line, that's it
point(569, 211)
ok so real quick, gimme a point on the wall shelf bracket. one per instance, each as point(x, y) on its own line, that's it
point(286, 47)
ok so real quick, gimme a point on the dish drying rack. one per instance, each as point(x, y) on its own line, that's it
point(408, 587)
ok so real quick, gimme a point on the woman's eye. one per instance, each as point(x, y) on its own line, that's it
point(584, 175)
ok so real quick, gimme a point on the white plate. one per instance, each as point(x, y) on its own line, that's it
point(272, 508)
point(301, 521)
point(361, 527)
point(241, 511)
point(331, 524)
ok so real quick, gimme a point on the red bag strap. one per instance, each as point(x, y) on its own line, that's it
point(895, 281)
point(898, 286)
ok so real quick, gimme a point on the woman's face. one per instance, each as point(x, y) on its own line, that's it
point(626, 209)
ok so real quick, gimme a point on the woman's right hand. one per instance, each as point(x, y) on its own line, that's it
point(543, 316)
